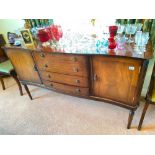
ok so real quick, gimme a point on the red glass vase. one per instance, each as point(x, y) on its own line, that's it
point(112, 44)
point(43, 35)
point(113, 30)
point(56, 32)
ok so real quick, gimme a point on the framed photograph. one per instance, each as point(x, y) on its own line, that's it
point(27, 37)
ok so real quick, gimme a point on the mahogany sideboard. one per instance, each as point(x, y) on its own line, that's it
point(115, 77)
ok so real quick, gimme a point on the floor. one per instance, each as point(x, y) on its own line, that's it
point(55, 113)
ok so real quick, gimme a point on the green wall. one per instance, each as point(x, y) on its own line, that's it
point(10, 25)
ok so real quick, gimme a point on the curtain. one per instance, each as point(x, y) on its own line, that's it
point(38, 22)
point(148, 26)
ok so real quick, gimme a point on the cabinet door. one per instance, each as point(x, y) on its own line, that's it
point(115, 78)
point(23, 63)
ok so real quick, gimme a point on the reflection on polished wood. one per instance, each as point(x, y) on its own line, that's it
point(127, 52)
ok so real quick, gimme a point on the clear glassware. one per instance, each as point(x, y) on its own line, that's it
point(127, 31)
point(130, 30)
point(139, 26)
point(133, 31)
point(120, 29)
point(141, 40)
point(145, 38)
point(138, 38)
point(121, 42)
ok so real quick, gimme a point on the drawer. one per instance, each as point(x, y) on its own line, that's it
point(67, 89)
point(62, 63)
point(65, 79)
point(59, 57)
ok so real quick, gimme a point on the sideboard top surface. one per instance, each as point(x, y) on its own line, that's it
point(127, 53)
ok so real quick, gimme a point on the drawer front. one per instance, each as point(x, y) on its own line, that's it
point(60, 57)
point(67, 89)
point(65, 79)
point(62, 63)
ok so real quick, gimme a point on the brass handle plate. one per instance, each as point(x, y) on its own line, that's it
point(42, 55)
point(75, 69)
point(45, 65)
point(78, 90)
point(77, 81)
point(74, 59)
point(49, 76)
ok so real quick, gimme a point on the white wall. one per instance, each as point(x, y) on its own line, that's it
point(10, 25)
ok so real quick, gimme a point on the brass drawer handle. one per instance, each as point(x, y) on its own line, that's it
point(45, 65)
point(78, 90)
point(51, 84)
point(49, 76)
point(42, 55)
point(34, 68)
point(74, 59)
point(75, 69)
point(77, 81)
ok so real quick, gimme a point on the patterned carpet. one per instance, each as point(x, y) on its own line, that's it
point(55, 113)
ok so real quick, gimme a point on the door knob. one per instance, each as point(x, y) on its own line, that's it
point(77, 81)
point(95, 77)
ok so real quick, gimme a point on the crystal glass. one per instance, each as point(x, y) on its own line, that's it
point(141, 40)
point(138, 38)
point(121, 42)
point(145, 38)
point(130, 30)
point(120, 29)
point(139, 26)
point(127, 31)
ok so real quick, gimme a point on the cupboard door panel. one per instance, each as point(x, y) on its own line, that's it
point(115, 78)
point(23, 63)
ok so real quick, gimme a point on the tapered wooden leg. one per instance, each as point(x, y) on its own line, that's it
point(27, 90)
point(143, 115)
point(131, 114)
point(18, 83)
point(2, 82)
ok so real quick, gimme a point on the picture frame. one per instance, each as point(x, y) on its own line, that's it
point(27, 38)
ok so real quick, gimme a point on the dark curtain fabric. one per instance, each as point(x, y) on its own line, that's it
point(39, 22)
point(148, 26)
